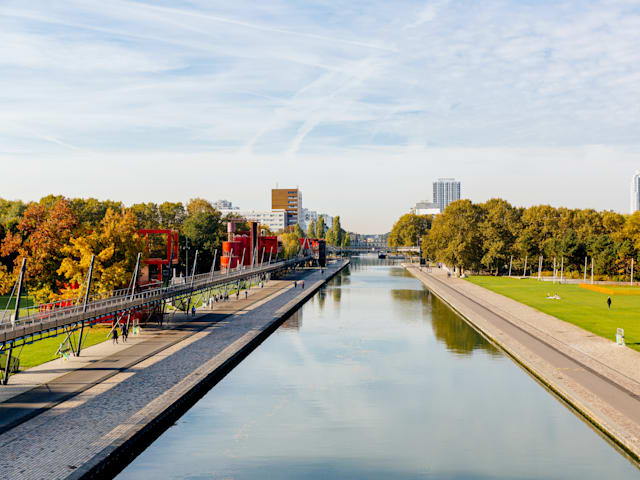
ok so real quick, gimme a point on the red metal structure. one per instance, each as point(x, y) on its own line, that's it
point(152, 269)
point(245, 244)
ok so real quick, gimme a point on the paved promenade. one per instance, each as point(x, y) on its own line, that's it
point(92, 417)
point(596, 376)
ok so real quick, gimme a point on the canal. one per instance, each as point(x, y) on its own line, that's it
point(374, 378)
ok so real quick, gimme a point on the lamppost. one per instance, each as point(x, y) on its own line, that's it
point(186, 249)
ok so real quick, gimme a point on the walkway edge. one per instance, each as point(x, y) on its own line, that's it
point(129, 440)
point(603, 425)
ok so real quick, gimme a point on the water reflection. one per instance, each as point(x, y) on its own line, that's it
point(455, 333)
point(365, 388)
point(294, 322)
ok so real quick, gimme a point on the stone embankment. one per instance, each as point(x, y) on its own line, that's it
point(93, 420)
point(598, 378)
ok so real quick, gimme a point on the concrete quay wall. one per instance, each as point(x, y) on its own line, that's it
point(129, 439)
point(596, 378)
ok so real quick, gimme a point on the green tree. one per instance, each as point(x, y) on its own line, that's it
point(297, 229)
point(147, 215)
point(408, 229)
point(320, 227)
point(499, 227)
point(336, 232)
point(455, 237)
point(311, 229)
point(346, 240)
point(204, 230)
point(172, 215)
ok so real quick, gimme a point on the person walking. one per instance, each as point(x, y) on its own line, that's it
point(609, 303)
point(302, 284)
point(295, 284)
point(246, 294)
point(193, 311)
point(125, 333)
point(114, 335)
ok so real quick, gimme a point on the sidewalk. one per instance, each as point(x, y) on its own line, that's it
point(596, 376)
point(105, 425)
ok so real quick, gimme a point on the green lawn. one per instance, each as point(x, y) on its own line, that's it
point(584, 308)
point(43, 351)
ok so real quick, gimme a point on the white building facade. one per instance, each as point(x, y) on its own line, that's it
point(445, 191)
point(275, 220)
point(635, 192)
point(425, 208)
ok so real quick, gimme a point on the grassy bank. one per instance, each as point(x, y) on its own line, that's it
point(43, 351)
point(584, 308)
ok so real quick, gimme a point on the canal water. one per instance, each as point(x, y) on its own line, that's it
point(375, 378)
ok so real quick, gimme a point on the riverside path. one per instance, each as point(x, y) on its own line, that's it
point(90, 422)
point(598, 378)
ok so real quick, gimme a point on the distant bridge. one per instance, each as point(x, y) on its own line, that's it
point(373, 249)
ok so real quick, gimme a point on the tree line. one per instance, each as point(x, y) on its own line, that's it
point(58, 236)
point(488, 237)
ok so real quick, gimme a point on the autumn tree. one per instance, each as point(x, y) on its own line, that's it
point(115, 243)
point(43, 231)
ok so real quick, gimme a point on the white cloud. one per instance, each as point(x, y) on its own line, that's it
point(371, 91)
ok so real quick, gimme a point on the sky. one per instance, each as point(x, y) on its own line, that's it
point(362, 104)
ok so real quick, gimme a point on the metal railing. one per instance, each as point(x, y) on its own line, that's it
point(46, 316)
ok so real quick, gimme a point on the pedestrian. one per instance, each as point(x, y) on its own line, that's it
point(295, 284)
point(246, 294)
point(302, 284)
point(237, 294)
point(609, 303)
point(114, 335)
point(321, 272)
point(193, 311)
point(125, 333)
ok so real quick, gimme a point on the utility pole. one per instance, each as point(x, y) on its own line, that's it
point(562, 270)
point(585, 270)
point(539, 267)
point(84, 306)
point(526, 257)
point(510, 263)
point(632, 272)
point(591, 270)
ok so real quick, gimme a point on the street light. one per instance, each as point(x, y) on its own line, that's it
point(186, 249)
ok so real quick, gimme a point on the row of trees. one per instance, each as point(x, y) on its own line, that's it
point(58, 236)
point(335, 235)
point(485, 236)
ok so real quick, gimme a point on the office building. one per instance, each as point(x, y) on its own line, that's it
point(276, 220)
point(635, 192)
point(425, 208)
point(290, 200)
point(224, 205)
point(445, 191)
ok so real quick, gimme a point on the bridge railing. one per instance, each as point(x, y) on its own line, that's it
point(122, 300)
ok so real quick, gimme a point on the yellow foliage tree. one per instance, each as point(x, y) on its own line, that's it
point(115, 243)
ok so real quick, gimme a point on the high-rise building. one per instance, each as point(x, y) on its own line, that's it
point(290, 200)
point(445, 191)
point(635, 192)
point(224, 205)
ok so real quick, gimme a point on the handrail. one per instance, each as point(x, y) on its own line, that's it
point(118, 300)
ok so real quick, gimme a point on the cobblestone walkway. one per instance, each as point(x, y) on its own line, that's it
point(62, 439)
